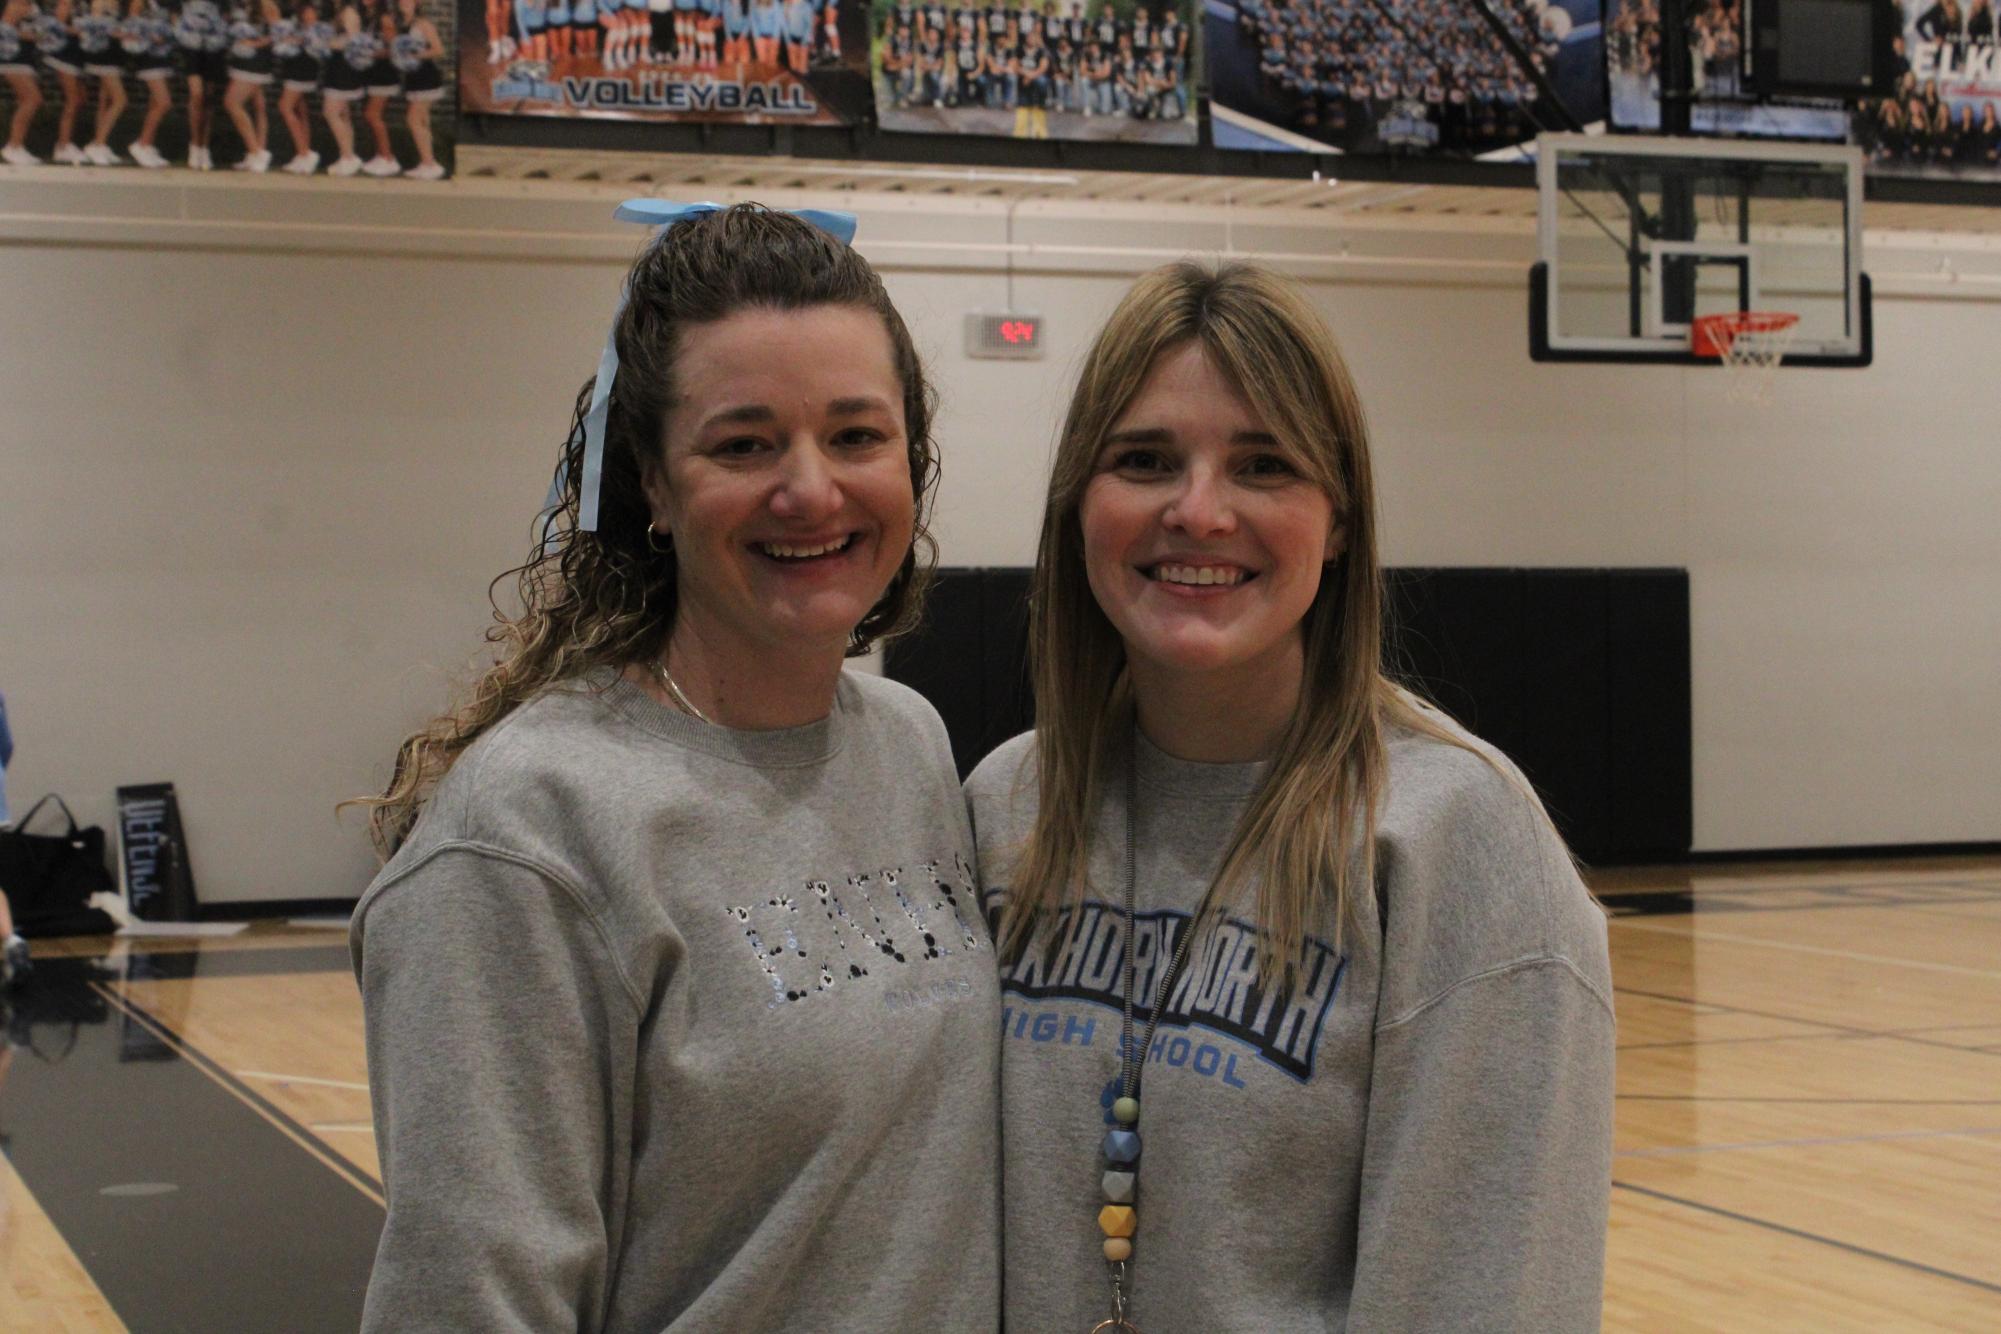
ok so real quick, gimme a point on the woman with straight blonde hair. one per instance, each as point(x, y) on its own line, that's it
point(1308, 1016)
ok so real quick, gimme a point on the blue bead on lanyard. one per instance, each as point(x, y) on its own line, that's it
point(660, 214)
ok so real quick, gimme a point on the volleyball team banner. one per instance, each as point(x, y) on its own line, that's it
point(1122, 71)
point(751, 62)
point(1395, 76)
point(300, 86)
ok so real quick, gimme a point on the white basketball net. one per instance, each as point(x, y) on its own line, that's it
point(1751, 359)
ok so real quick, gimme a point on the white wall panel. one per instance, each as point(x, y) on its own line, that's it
point(260, 455)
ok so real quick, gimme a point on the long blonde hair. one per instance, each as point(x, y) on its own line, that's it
point(607, 598)
point(1295, 849)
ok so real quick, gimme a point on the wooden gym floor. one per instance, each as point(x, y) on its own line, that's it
point(1809, 1116)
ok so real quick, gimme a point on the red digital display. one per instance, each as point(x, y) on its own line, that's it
point(1011, 334)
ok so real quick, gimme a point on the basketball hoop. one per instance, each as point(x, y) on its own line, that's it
point(1750, 344)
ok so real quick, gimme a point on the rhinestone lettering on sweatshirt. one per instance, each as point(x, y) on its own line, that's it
point(870, 925)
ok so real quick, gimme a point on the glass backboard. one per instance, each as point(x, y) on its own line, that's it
point(1639, 236)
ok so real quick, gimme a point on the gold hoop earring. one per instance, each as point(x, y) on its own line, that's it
point(659, 544)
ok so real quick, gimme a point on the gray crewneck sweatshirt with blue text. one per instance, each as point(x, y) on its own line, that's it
point(672, 1027)
point(1415, 1137)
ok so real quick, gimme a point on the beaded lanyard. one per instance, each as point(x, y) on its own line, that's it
point(1121, 1147)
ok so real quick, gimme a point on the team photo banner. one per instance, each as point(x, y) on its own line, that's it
point(1394, 76)
point(1723, 103)
point(1942, 120)
point(1120, 71)
point(751, 62)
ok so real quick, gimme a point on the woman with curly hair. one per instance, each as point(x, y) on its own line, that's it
point(680, 1011)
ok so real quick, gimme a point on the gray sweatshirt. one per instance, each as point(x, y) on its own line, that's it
point(1415, 1137)
point(672, 1027)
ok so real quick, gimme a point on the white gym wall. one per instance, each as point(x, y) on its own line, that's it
point(262, 448)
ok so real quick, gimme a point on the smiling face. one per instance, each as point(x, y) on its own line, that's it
point(786, 485)
point(1203, 542)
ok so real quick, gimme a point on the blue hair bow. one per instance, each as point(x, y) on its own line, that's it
point(661, 214)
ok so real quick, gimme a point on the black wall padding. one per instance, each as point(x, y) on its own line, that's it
point(1650, 790)
point(1581, 676)
point(970, 659)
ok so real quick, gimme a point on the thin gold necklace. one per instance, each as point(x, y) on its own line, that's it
point(675, 693)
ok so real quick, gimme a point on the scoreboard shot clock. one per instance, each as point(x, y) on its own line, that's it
point(1011, 335)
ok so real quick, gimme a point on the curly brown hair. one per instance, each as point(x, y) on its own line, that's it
point(606, 598)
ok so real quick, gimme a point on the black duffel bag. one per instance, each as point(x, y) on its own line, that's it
point(49, 878)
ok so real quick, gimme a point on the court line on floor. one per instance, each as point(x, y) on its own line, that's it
point(302, 1079)
point(1715, 1007)
point(1977, 884)
point(1804, 1235)
point(1892, 960)
point(1694, 1006)
point(250, 1097)
point(1928, 910)
point(1688, 909)
point(1846, 1030)
point(1669, 1151)
point(1788, 1099)
point(1845, 895)
point(1839, 1035)
point(61, 1267)
point(121, 1109)
point(1771, 1037)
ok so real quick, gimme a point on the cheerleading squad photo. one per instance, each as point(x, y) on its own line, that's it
point(1038, 70)
point(1917, 131)
point(1368, 76)
point(529, 56)
point(1940, 118)
point(289, 85)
